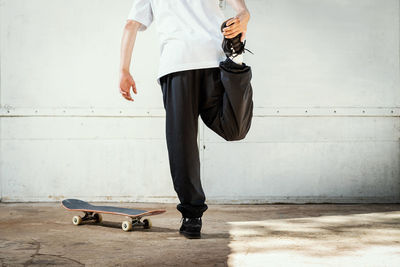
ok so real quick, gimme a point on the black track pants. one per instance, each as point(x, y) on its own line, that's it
point(223, 98)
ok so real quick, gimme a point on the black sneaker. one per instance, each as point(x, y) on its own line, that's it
point(191, 227)
point(233, 47)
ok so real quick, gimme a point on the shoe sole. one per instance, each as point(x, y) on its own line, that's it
point(190, 235)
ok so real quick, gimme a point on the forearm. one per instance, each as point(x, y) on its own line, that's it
point(127, 44)
point(238, 5)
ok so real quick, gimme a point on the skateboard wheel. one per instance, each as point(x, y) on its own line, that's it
point(147, 224)
point(126, 226)
point(76, 220)
point(97, 217)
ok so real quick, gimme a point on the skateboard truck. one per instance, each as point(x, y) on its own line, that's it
point(132, 222)
point(89, 216)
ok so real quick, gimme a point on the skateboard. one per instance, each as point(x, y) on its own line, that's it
point(93, 213)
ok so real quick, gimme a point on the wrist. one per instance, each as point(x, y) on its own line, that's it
point(124, 71)
point(245, 12)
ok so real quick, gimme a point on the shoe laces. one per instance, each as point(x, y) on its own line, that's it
point(234, 47)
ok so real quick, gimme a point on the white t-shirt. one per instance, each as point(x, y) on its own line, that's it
point(189, 32)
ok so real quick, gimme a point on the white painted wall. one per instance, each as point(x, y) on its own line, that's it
point(326, 122)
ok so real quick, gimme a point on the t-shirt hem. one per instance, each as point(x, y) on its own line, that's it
point(192, 66)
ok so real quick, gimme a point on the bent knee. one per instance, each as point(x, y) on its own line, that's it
point(235, 137)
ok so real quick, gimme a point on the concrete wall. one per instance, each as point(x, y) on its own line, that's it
point(326, 121)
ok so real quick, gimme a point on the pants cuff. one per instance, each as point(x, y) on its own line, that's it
point(191, 211)
point(230, 66)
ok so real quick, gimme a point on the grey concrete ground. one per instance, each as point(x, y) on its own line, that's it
point(233, 235)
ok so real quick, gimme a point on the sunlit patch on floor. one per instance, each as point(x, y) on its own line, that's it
point(370, 239)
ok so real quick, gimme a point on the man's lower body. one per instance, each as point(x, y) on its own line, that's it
point(222, 97)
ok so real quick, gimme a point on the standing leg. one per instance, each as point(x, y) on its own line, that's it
point(226, 104)
point(180, 97)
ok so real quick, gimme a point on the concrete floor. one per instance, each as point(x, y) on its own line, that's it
point(233, 235)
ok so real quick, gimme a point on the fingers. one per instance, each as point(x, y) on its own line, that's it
point(231, 24)
point(232, 21)
point(126, 95)
point(126, 83)
point(133, 84)
point(125, 91)
point(234, 29)
point(232, 34)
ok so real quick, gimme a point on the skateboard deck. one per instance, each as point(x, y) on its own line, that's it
point(93, 213)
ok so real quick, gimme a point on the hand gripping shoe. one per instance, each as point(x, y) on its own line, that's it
point(233, 47)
